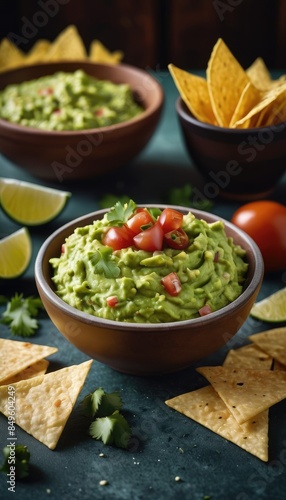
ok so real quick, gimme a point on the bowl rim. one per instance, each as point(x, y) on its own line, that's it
point(186, 114)
point(153, 108)
point(78, 315)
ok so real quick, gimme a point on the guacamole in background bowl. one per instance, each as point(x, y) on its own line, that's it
point(68, 101)
point(172, 267)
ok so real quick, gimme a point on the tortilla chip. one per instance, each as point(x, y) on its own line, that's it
point(245, 392)
point(273, 342)
point(10, 55)
point(17, 355)
point(38, 368)
point(207, 408)
point(269, 99)
point(44, 403)
point(194, 92)
point(67, 46)
point(249, 98)
point(38, 52)
point(248, 356)
point(100, 54)
point(226, 82)
point(259, 74)
point(279, 366)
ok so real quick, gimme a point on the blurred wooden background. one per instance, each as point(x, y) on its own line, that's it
point(153, 33)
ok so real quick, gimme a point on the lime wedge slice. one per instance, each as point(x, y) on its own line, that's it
point(31, 204)
point(272, 308)
point(15, 254)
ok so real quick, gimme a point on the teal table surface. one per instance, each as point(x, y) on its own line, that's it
point(165, 443)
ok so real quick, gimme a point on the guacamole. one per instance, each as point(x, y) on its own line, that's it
point(128, 284)
point(68, 101)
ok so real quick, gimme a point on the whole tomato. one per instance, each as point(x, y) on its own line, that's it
point(265, 222)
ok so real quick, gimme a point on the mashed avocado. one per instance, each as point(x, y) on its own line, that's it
point(211, 271)
point(68, 101)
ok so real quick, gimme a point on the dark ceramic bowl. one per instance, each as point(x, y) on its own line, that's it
point(242, 164)
point(86, 153)
point(145, 349)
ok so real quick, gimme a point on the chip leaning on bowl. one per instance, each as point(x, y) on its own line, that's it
point(149, 266)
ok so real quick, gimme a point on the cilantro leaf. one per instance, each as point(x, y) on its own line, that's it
point(120, 213)
point(20, 461)
point(20, 315)
point(185, 196)
point(111, 430)
point(103, 264)
point(101, 404)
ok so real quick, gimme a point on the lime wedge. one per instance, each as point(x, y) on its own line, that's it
point(31, 204)
point(272, 308)
point(15, 254)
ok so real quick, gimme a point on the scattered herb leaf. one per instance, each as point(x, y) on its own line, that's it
point(101, 404)
point(108, 424)
point(120, 213)
point(103, 264)
point(185, 196)
point(113, 430)
point(20, 461)
point(20, 315)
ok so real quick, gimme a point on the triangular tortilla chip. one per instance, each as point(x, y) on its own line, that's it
point(248, 356)
point(226, 81)
point(67, 46)
point(100, 54)
point(44, 403)
point(207, 408)
point(34, 370)
point(194, 92)
point(273, 342)
point(17, 355)
point(245, 392)
point(248, 99)
point(10, 55)
point(38, 51)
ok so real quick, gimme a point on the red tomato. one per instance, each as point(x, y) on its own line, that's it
point(112, 301)
point(172, 284)
point(151, 239)
point(118, 238)
point(141, 218)
point(170, 219)
point(206, 309)
point(177, 239)
point(265, 222)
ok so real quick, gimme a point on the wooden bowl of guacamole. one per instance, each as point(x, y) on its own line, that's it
point(76, 120)
point(116, 306)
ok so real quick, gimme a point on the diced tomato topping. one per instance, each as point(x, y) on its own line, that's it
point(206, 309)
point(118, 237)
point(99, 112)
point(46, 91)
point(63, 248)
point(177, 239)
point(172, 284)
point(140, 221)
point(151, 239)
point(170, 219)
point(112, 301)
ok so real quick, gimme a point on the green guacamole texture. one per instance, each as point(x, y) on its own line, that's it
point(68, 101)
point(212, 271)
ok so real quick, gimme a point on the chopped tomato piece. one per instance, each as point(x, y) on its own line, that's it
point(177, 239)
point(151, 239)
point(206, 309)
point(140, 221)
point(46, 91)
point(118, 237)
point(172, 284)
point(112, 301)
point(170, 219)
